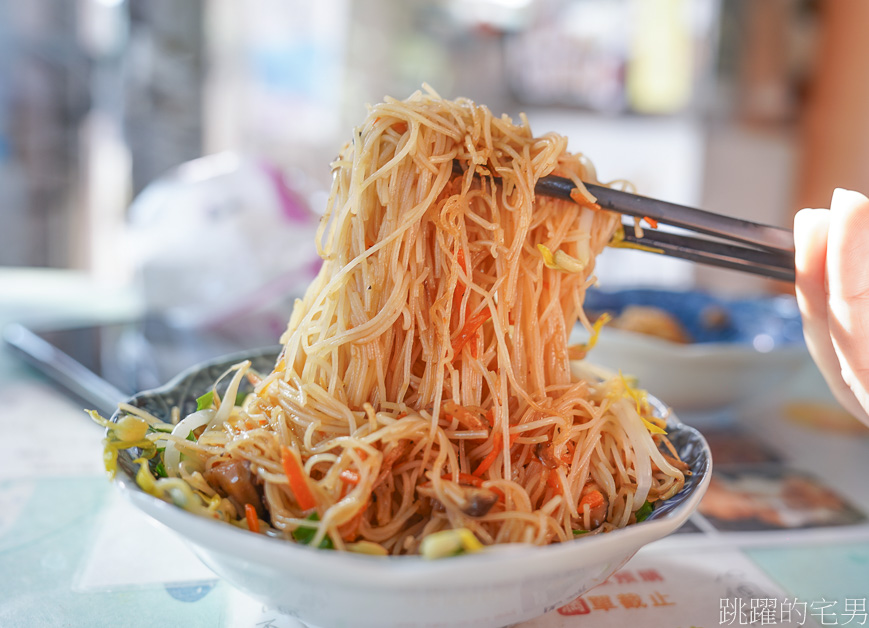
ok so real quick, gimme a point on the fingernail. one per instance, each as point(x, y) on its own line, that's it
point(846, 198)
point(806, 218)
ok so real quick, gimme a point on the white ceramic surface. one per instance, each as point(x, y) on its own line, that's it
point(498, 587)
point(697, 377)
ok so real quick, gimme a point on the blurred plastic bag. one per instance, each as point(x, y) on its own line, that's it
point(223, 244)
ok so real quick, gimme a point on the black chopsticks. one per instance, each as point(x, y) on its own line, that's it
point(738, 244)
point(733, 243)
point(767, 263)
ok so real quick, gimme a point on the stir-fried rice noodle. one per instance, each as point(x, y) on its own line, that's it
point(425, 382)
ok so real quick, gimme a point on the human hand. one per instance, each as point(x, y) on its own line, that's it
point(832, 285)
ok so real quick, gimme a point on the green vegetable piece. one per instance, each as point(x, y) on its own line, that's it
point(205, 401)
point(190, 436)
point(580, 532)
point(240, 397)
point(306, 535)
point(160, 470)
point(644, 511)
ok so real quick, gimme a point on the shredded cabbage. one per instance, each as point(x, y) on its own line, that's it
point(449, 543)
point(560, 260)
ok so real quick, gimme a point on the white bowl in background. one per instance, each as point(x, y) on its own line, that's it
point(697, 377)
point(756, 346)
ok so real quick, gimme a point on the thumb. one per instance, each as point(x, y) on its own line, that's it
point(848, 288)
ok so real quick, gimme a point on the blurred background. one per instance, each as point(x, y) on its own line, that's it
point(171, 158)
point(747, 108)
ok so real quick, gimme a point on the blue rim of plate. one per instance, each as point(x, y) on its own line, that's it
point(740, 320)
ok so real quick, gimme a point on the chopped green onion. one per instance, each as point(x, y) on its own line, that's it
point(580, 532)
point(160, 470)
point(205, 401)
point(644, 511)
point(306, 535)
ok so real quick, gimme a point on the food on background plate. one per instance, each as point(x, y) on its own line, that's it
point(651, 321)
point(424, 400)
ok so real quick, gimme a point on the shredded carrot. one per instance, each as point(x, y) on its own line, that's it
point(490, 458)
point(567, 455)
point(554, 481)
point(253, 378)
point(465, 478)
point(651, 221)
point(465, 417)
point(400, 127)
point(577, 197)
point(471, 480)
point(516, 456)
point(460, 285)
point(298, 483)
point(252, 519)
point(460, 258)
point(349, 476)
point(469, 331)
point(594, 499)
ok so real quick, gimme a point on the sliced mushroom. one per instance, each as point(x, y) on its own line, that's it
point(478, 501)
point(546, 454)
point(234, 480)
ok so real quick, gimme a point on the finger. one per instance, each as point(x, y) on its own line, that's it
point(811, 227)
point(810, 258)
point(848, 288)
